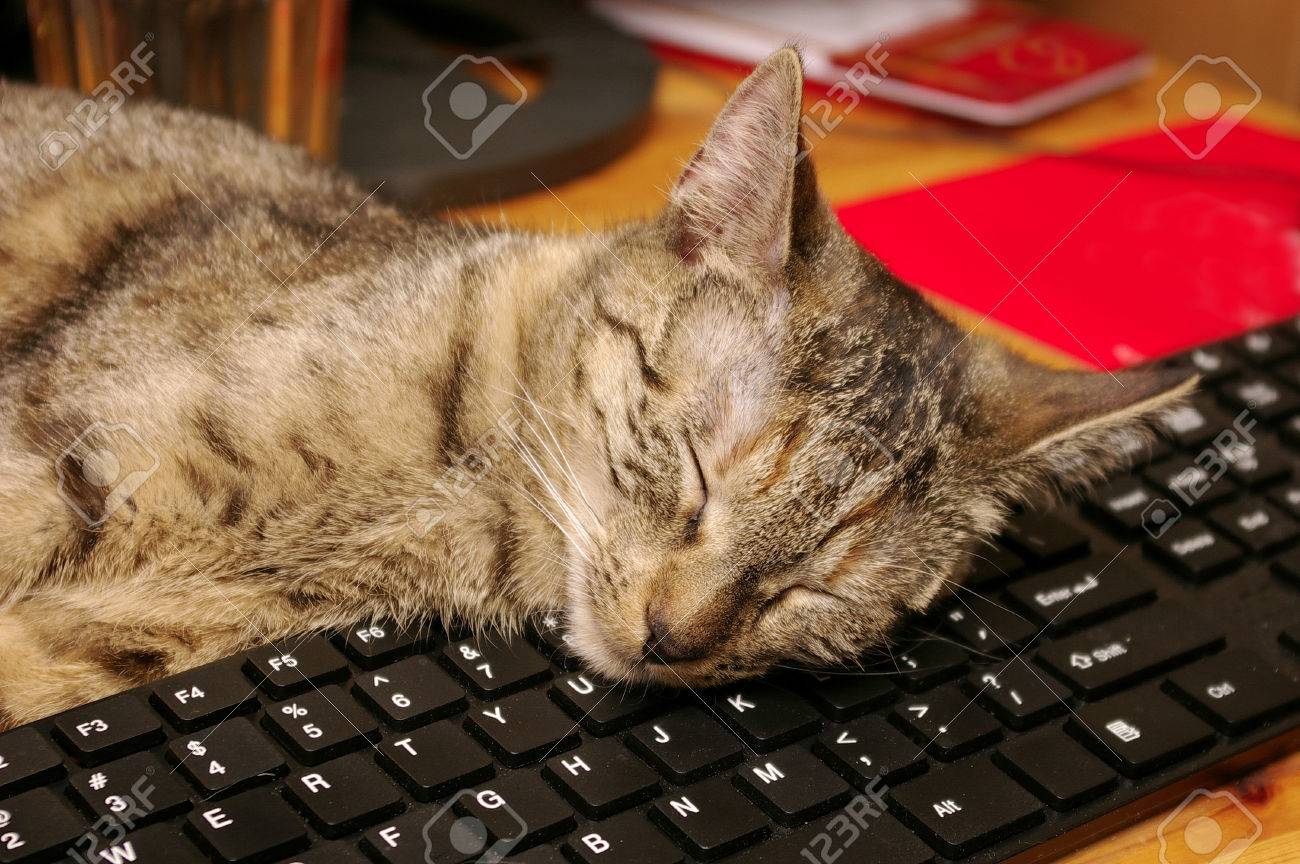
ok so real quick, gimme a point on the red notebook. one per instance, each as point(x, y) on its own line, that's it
point(1139, 251)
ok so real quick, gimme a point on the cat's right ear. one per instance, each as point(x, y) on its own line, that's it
point(746, 191)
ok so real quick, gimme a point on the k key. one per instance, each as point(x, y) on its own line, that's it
point(767, 716)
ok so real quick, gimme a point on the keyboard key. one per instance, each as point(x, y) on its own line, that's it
point(1195, 423)
point(294, 665)
point(344, 795)
point(1287, 497)
point(989, 626)
point(686, 745)
point(1017, 695)
point(766, 716)
point(792, 785)
point(423, 836)
point(1045, 539)
point(946, 722)
point(1123, 652)
point(1263, 347)
point(625, 839)
point(1122, 504)
point(518, 808)
point(254, 826)
point(537, 855)
point(373, 645)
point(711, 819)
point(434, 759)
point(206, 695)
point(603, 708)
point(492, 667)
point(1188, 485)
point(330, 853)
point(1212, 362)
point(1256, 525)
point(927, 663)
point(1055, 767)
point(967, 806)
point(227, 758)
point(39, 823)
point(992, 564)
point(1261, 396)
point(554, 639)
point(1259, 463)
point(843, 694)
point(136, 789)
point(868, 750)
point(1140, 730)
point(108, 728)
point(1075, 595)
point(522, 728)
point(27, 760)
point(158, 844)
point(321, 724)
point(409, 693)
point(602, 778)
point(1195, 550)
point(875, 836)
point(1234, 690)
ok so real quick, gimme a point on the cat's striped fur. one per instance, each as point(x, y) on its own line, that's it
point(726, 430)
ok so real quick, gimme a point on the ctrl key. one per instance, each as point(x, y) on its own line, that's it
point(254, 826)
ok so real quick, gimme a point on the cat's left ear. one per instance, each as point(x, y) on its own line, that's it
point(748, 191)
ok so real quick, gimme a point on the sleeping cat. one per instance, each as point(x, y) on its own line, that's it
point(241, 400)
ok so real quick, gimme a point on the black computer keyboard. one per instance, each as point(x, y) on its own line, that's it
point(1101, 661)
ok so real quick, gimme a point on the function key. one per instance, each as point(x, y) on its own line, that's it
point(108, 728)
point(321, 725)
point(946, 723)
point(868, 751)
point(1140, 731)
point(1045, 539)
point(522, 728)
point(711, 819)
point(27, 760)
point(766, 716)
point(792, 785)
point(602, 778)
point(254, 826)
point(1193, 549)
point(1077, 594)
point(230, 757)
point(1262, 397)
point(1187, 485)
point(136, 790)
point(686, 745)
point(604, 709)
point(629, 837)
point(344, 795)
point(842, 694)
point(38, 824)
point(1234, 690)
point(1017, 695)
point(409, 693)
point(494, 668)
point(292, 667)
point(1262, 347)
point(433, 760)
point(1055, 768)
point(208, 694)
point(373, 645)
point(965, 807)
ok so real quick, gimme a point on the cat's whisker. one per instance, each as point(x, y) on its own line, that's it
point(535, 466)
point(546, 513)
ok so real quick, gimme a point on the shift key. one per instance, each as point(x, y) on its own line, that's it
point(1127, 650)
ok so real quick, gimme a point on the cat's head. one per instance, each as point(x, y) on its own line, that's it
point(779, 449)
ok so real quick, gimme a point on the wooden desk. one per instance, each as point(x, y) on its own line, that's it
point(875, 150)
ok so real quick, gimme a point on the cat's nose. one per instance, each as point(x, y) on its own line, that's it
point(662, 646)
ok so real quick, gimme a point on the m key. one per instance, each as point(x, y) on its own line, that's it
point(792, 785)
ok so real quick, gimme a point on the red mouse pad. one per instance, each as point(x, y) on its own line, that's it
point(1126, 252)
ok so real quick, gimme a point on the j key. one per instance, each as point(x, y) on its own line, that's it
point(1077, 594)
point(843, 694)
point(27, 760)
point(988, 626)
point(1262, 396)
point(202, 696)
point(294, 665)
point(254, 826)
point(1055, 767)
point(321, 724)
point(522, 728)
point(625, 839)
point(409, 693)
point(685, 745)
point(602, 778)
point(868, 750)
point(1234, 690)
point(136, 789)
point(1122, 652)
point(1045, 539)
point(711, 819)
point(1263, 347)
point(1257, 464)
point(227, 758)
point(1258, 526)
point(108, 728)
point(1189, 485)
point(603, 708)
point(1122, 504)
point(792, 785)
point(373, 645)
point(493, 668)
point(946, 723)
point(434, 759)
point(1018, 696)
point(1140, 730)
point(926, 664)
point(518, 808)
point(341, 796)
point(880, 836)
point(1194, 424)
point(766, 716)
point(158, 844)
point(39, 823)
point(967, 806)
point(993, 564)
point(1195, 549)
point(555, 640)
point(1213, 363)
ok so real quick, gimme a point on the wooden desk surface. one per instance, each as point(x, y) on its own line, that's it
point(876, 149)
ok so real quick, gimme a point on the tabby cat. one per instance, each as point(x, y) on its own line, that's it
point(242, 400)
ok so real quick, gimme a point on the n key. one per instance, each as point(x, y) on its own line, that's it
point(711, 819)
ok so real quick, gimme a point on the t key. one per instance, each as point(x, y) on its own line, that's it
point(434, 759)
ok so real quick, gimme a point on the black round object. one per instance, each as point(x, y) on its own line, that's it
point(416, 114)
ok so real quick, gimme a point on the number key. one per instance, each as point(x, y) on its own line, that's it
point(321, 725)
point(410, 693)
point(39, 822)
point(494, 669)
point(136, 789)
point(26, 760)
point(230, 757)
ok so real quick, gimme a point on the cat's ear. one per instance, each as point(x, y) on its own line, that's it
point(745, 189)
point(1064, 428)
